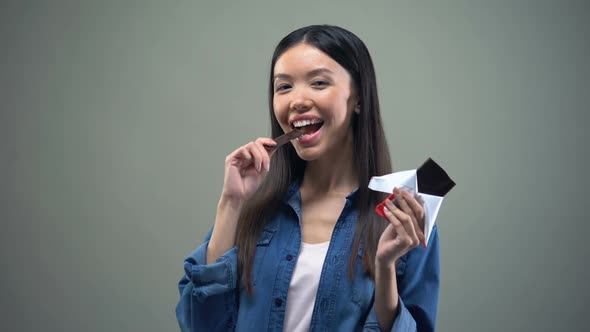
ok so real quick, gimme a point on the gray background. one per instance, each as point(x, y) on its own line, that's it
point(116, 118)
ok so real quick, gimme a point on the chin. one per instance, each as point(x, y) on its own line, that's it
point(309, 153)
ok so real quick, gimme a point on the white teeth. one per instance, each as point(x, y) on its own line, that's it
point(302, 123)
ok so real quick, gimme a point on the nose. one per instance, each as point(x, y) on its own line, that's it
point(300, 102)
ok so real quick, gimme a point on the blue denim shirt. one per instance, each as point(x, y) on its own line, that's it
point(212, 298)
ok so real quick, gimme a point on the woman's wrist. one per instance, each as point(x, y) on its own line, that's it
point(224, 231)
point(386, 294)
point(385, 264)
point(227, 202)
point(385, 269)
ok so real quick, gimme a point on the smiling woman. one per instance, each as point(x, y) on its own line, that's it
point(314, 92)
point(296, 244)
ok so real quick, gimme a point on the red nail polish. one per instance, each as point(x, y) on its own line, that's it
point(379, 208)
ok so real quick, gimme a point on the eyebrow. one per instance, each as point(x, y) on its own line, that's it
point(309, 74)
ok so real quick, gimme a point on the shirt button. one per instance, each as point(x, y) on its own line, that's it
point(289, 257)
point(278, 302)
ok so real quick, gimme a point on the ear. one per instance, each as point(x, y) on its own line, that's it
point(357, 108)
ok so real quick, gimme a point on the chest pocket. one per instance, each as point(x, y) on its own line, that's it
point(363, 286)
point(265, 237)
point(262, 246)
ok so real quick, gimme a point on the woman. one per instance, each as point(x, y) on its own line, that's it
point(296, 244)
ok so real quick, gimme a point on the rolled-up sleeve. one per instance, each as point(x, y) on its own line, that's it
point(403, 322)
point(208, 291)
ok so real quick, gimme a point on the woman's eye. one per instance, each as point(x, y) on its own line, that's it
point(320, 84)
point(282, 87)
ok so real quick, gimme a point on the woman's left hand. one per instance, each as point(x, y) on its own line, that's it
point(405, 229)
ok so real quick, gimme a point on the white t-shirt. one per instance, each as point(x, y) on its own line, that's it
point(304, 286)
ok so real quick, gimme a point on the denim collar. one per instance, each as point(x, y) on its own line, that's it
point(293, 193)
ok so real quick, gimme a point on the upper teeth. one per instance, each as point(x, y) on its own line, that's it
point(302, 123)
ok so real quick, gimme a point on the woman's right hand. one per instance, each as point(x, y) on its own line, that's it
point(245, 168)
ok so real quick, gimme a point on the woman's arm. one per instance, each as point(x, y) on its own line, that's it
point(413, 290)
point(224, 231)
point(402, 236)
point(208, 292)
point(245, 168)
point(386, 296)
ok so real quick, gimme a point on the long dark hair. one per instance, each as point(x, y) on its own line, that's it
point(370, 151)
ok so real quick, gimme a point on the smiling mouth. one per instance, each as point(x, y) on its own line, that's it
point(308, 126)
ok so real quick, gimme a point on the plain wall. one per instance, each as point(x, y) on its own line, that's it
point(116, 117)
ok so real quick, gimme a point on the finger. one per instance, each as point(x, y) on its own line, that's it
point(264, 158)
point(403, 204)
point(265, 154)
point(268, 142)
point(269, 145)
point(418, 210)
point(404, 197)
point(387, 239)
point(407, 222)
point(252, 147)
point(399, 229)
point(399, 216)
point(414, 204)
point(241, 157)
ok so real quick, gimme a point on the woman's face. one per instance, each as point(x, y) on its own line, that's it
point(313, 92)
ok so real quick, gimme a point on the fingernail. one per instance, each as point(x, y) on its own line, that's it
point(390, 203)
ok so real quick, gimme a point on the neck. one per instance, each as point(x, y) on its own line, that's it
point(333, 172)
